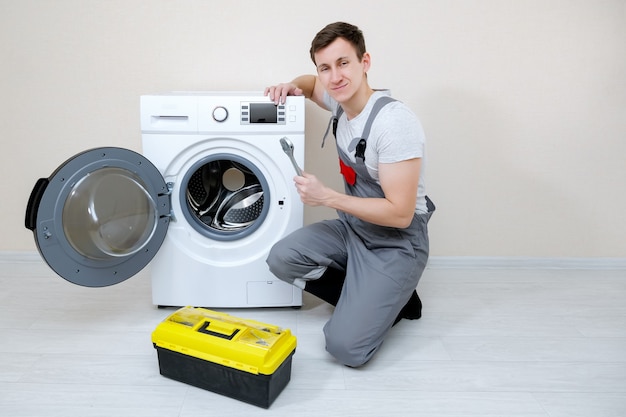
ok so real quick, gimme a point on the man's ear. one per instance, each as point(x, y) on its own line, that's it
point(366, 61)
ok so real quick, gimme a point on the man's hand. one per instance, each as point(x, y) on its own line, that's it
point(312, 191)
point(278, 93)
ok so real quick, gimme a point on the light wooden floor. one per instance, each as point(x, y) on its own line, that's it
point(492, 342)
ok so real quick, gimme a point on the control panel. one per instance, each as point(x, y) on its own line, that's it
point(220, 112)
point(257, 113)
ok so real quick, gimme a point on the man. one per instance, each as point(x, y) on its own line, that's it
point(368, 261)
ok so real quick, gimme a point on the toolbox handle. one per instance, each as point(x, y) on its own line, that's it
point(204, 329)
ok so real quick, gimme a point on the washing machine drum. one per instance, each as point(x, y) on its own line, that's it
point(100, 217)
point(226, 198)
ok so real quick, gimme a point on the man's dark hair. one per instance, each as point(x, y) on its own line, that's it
point(336, 30)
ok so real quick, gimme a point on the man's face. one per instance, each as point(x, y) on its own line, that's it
point(339, 69)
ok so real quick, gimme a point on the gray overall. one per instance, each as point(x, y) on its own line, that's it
point(382, 267)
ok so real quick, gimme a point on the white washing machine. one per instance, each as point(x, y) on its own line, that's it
point(210, 195)
point(232, 195)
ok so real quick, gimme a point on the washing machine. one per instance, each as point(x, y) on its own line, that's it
point(203, 203)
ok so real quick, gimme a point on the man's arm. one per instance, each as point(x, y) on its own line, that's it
point(399, 182)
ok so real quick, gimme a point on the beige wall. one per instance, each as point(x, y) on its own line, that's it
point(523, 102)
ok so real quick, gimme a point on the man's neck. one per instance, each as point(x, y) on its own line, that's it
point(353, 107)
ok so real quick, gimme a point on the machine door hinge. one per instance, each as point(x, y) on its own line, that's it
point(168, 194)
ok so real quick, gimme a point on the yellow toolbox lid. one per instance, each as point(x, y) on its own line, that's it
point(243, 344)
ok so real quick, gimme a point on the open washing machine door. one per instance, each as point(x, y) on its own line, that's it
point(100, 217)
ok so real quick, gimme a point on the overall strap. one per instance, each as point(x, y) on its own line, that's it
point(334, 120)
point(379, 104)
point(360, 144)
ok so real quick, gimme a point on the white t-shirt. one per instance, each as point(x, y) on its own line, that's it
point(396, 135)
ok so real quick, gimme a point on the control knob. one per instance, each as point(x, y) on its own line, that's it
point(220, 114)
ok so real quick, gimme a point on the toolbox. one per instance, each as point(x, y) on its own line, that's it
point(240, 358)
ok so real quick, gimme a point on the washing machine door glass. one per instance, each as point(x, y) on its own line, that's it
point(98, 224)
point(101, 216)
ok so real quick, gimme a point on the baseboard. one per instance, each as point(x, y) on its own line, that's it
point(487, 262)
point(457, 262)
point(19, 257)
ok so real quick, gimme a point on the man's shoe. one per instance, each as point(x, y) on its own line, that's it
point(412, 310)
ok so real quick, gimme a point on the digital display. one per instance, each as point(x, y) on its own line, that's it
point(263, 113)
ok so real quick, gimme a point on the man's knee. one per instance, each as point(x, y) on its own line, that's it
point(277, 258)
point(348, 351)
point(282, 262)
